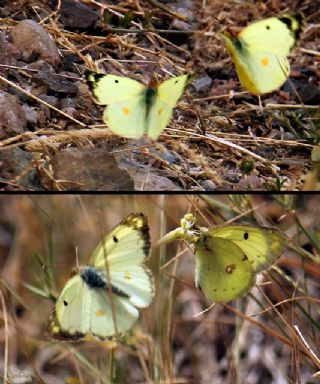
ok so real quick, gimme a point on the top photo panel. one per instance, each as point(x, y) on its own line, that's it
point(157, 95)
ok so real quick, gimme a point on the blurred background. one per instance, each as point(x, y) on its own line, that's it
point(247, 341)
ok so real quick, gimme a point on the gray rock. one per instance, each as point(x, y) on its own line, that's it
point(31, 115)
point(12, 116)
point(202, 82)
point(86, 170)
point(31, 38)
point(56, 83)
point(74, 14)
point(68, 103)
point(16, 169)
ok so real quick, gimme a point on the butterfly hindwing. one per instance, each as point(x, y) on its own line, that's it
point(107, 317)
point(223, 272)
point(256, 69)
point(127, 118)
point(136, 281)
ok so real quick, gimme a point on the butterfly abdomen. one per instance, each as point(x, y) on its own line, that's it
point(150, 97)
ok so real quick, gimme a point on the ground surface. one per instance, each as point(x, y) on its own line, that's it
point(218, 138)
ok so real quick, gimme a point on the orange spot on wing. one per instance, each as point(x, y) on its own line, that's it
point(160, 111)
point(125, 111)
point(100, 313)
point(265, 61)
point(127, 275)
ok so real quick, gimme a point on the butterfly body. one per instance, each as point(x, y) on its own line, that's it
point(133, 109)
point(260, 51)
point(103, 298)
point(229, 257)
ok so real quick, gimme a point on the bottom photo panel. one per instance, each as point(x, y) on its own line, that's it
point(160, 288)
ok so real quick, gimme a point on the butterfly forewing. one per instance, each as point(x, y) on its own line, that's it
point(265, 35)
point(113, 89)
point(261, 245)
point(171, 90)
point(124, 249)
point(127, 244)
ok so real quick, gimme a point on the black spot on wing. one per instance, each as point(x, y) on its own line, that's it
point(246, 236)
point(115, 239)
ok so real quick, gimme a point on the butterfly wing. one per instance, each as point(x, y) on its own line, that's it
point(259, 51)
point(260, 72)
point(109, 318)
point(129, 241)
point(109, 89)
point(223, 272)
point(275, 34)
point(82, 310)
point(127, 118)
point(261, 245)
point(171, 90)
point(126, 111)
point(122, 251)
point(167, 96)
point(71, 317)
